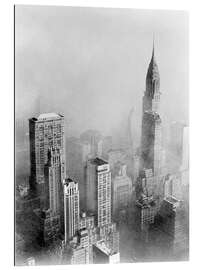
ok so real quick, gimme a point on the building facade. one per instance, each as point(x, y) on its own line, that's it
point(121, 190)
point(71, 208)
point(98, 190)
point(45, 132)
point(53, 181)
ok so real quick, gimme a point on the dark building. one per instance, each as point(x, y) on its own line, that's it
point(151, 153)
point(46, 131)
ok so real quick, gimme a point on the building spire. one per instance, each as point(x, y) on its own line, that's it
point(153, 48)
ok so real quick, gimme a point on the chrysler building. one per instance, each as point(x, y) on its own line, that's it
point(151, 122)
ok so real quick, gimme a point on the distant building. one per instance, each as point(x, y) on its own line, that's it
point(173, 186)
point(98, 190)
point(136, 167)
point(176, 143)
point(185, 157)
point(107, 144)
point(115, 156)
point(45, 132)
point(71, 208)
point(121, 190)
point(102, 254)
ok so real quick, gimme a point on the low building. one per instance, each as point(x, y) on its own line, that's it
point(145, 210)
point(102, 254)
point(50, 226)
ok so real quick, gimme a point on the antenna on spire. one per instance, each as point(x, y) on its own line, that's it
point(153, 47)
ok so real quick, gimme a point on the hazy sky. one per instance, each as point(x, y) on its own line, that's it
point(91, 63)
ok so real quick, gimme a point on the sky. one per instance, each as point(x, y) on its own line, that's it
point(90, 64)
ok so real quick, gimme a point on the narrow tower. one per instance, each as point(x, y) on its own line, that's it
point(151, 121)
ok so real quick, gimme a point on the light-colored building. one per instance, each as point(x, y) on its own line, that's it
point(71, 208)
point(121, 190)
point(98, 190)
point(173, 186)
point(102, 254)
point(145, 212)
point(79, 248)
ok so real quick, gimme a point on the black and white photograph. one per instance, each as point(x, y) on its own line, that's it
point(101, 135)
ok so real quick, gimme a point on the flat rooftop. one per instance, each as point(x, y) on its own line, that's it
point(101, 245)
point(98, 161)
point(47, 116)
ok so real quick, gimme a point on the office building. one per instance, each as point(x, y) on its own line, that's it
point(98, 190)
point(45, 132)
point(71, 208)
point(49, 226)
point(145, 211)
point(173, 186)
point(78, 250)
point(110, 236)
point(86, 220)
point(172, 221)
point(54, 182)
point(121, 190)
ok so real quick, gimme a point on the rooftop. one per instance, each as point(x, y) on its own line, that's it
point(101, 245)
point(98, 161)
point(69, 180)
point(47, 116)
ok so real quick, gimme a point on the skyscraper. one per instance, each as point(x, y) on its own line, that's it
point(98, 190)
point(121, 190)
point(46, 131)
point(71, 208)
point(53, 181)
point(151, 121)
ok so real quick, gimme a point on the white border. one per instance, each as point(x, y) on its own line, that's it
point(196, 135)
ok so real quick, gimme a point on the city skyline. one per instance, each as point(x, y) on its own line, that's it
point(84, 62)
point(108, 194)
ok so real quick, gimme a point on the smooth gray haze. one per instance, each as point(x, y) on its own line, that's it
point(90, 64)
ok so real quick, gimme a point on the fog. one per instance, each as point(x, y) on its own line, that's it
point(90, 64)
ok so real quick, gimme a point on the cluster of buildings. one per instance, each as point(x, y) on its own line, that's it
point(59, 214)
point(144, 194)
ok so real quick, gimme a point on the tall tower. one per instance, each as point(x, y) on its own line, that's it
point(53, 182)
point(152, 93)
point(71, 208)
point(151, 121)
point(45, 132)
point(98, 190)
